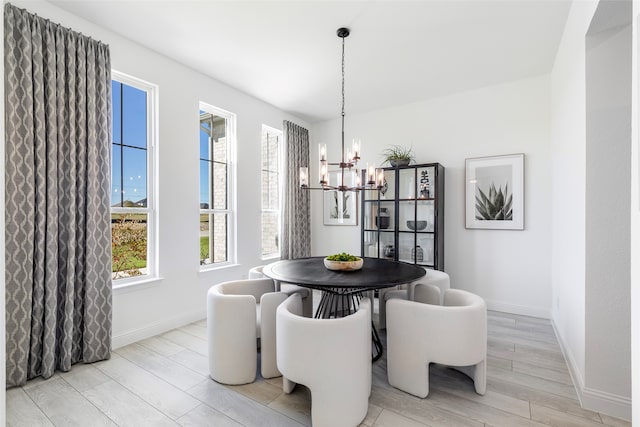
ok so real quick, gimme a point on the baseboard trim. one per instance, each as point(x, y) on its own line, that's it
point(592, 399)
point(607, 403)
point(574, 372)
point(522, 310)
point(136, 334)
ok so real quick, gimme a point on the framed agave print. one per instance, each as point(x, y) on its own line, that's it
point(495, 192)
point(340, 207)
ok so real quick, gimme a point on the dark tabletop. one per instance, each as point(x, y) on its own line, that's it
point(375, 273)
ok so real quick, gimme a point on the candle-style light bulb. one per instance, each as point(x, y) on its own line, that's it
point(322, 152)
point(323, 174)
point(355, 149)
point(322, 168)
point(371, 174)
point(304, 177)
point(380, 179)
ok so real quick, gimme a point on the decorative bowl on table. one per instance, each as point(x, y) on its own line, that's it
point(417, 225)
point(343, 262)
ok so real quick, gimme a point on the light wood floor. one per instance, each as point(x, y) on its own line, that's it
point(163, 381)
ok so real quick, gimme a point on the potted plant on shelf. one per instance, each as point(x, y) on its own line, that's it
point(398, 156)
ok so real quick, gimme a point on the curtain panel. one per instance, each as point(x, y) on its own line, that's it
point(57, 172)
point(296, 225)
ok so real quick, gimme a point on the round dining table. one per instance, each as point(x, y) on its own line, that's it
point(343, 290)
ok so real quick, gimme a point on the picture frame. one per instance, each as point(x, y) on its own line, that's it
point(494, 192)
point(340, 207)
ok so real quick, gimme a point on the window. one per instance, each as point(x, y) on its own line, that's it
point(217, 138)
point(270, 181)
point(132, 184)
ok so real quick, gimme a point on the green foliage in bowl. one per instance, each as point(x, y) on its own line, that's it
point(342, 257)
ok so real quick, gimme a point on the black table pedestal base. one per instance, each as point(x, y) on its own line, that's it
point(376, 351)
point(341, 302)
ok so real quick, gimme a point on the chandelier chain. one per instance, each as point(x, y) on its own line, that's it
point(342, 76)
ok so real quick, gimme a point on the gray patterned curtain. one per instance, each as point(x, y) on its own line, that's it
point(57, 171)
point(296, 225)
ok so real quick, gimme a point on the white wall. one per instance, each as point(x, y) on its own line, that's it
point(635, 221)
point(573, 300)
point(180, 296)
point(607, 202)
point(510, 269)
point(568, 152)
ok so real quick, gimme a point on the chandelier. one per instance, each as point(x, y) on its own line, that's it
point(347, 163)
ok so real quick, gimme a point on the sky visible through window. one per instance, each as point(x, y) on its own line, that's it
point(129, 154)
point(213, 161)
point(204, 172)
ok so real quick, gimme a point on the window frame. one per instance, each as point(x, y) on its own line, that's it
point(280, 156)
point(230, 211)
point(151, 209)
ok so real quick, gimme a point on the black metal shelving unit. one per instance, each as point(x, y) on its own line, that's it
point(413, 231)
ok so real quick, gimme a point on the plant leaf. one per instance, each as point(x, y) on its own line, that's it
point(496, 205)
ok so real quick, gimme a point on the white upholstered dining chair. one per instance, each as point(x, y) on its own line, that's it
point(433, 277)
point(238, 313)
point(419, 333)
point(332, 357)
point(287, 288)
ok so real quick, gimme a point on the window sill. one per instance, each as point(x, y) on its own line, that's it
point(212, 267)
point(136, 285)
point(270, 257)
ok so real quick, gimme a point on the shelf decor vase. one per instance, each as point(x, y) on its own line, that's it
point(382, 220)
point(417, 254)
point(389, 251)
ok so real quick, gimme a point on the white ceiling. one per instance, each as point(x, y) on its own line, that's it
point(287, 52)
